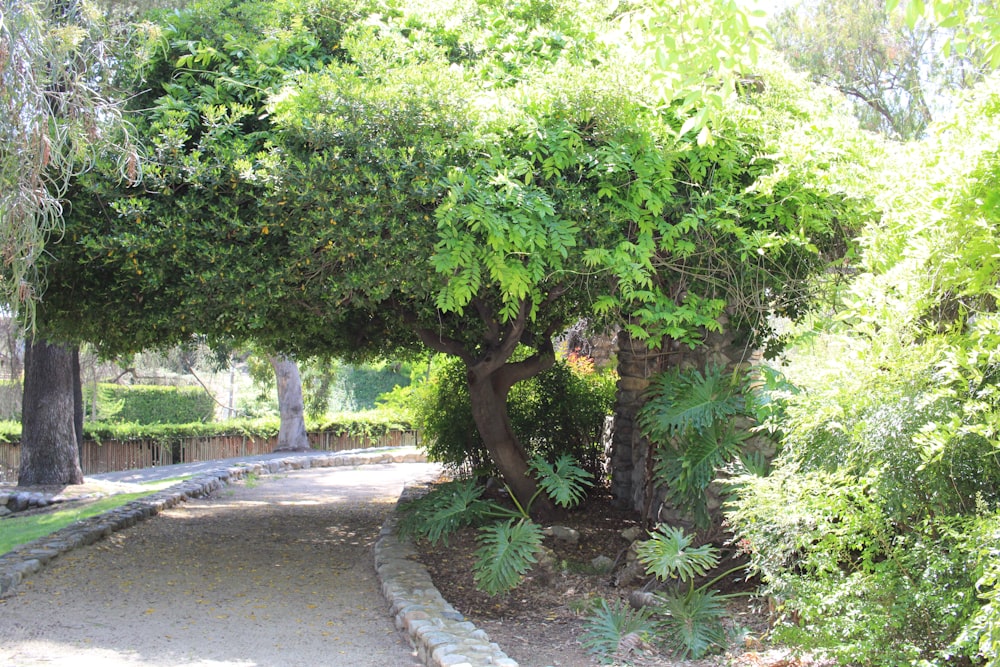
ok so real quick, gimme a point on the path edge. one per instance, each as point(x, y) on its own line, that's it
point(25, 560)
point(439, 632)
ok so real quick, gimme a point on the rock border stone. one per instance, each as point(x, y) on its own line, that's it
point(441, 636)
point(439, 632)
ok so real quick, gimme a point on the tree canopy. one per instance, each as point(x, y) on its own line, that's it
point(56, 113)
point(332, 177)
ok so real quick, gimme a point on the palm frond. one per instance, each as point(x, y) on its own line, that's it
point(565, 481)
point(507, 553)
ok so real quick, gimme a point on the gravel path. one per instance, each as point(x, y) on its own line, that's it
point(277, 572)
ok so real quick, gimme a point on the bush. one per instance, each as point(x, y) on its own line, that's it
point(865, 538)
point(363, 424)
point(154, 405)
point(560, 411)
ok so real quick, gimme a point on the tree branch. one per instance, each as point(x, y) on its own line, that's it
point(511, 374)
point(436, 340)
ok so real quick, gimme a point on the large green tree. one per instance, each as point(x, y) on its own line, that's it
point(469, 177)
point(58, 112)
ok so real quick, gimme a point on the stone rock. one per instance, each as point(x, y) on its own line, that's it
point(602, 563)
point(4, 511)
point(633, 569)
point(563, 534)
point(634, 533)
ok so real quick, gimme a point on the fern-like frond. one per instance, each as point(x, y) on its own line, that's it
point(680, 401)
point(565, 481)
point(668, 554)
point(506, 553)
point(693, 623)
point(686, 470)
point(707, 451)
point(444, 510)
point(608, 629)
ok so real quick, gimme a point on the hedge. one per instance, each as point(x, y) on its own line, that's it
point(144, 404)
point(372, 424)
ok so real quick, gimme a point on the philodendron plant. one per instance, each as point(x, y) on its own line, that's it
point(508, 537)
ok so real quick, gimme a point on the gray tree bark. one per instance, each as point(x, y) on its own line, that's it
point(49, 446)
point(292, 435)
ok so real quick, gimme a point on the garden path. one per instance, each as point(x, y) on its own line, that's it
point(275, 572)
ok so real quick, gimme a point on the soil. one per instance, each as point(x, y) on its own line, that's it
point(542, 622)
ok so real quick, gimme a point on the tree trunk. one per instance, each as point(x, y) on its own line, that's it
point(49, 448)
point(488, 397)
point(78, 402)
point(292, 432)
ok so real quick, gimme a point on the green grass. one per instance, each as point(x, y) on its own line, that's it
point(18, 530)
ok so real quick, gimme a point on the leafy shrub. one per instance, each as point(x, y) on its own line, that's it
point(612, 630)
point(140, 404)
point(509, 540)
point(691, 418)
point(370, 424)
point(687, 618)
point(862, 536)
point(359, 386)
point(560, 411)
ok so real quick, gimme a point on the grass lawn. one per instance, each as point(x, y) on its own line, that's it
point(17, 530)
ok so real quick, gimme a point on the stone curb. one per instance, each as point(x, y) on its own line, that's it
point(441, 635)
point(27, 559)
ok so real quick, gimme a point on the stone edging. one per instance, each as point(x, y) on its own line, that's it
point(442, 637)
point(440, 634)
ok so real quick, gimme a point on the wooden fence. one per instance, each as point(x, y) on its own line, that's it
point(114, 455)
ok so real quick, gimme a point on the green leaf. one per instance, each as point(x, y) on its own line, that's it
point(668, 555)
point(679, 401)
point(447, 508)
point(608, 629)
point(565, 482)
point(693, 623)
point(507, 553)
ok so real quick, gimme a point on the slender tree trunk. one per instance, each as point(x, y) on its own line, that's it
point(78, 402)
point(292, 435)
point(49, 447)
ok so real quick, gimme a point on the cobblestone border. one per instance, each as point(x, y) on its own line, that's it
point(436, 629)
point(441, 635)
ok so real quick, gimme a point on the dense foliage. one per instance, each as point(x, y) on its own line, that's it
point(876, 529)
point(561, 411)
point(141, 404)
point(339, 178)
point(361, 425)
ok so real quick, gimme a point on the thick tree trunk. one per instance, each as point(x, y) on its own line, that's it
point(49, 447)
point(488, 396)
point(491, 374)
point(292, 435)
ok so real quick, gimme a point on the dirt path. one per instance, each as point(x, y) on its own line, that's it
point(274, 573)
